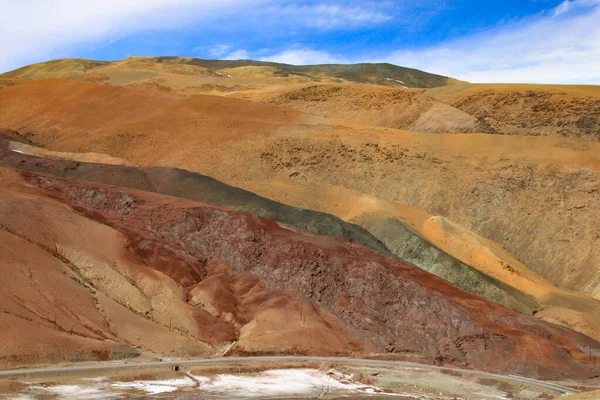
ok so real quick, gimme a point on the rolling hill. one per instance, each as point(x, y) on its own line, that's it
point(242, 192)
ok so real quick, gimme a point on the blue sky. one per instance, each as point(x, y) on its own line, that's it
point(545, 41)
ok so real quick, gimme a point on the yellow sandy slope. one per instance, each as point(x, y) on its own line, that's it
point(535, 198)
point(62, 155)
point(555, 305)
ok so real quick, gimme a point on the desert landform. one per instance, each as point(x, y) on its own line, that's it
point(177, 208)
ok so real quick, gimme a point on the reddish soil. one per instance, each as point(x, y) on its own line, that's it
point(363, 300)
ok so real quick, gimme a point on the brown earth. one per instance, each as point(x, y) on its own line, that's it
point(539, 110)
point(537, 197)
point(373, 105)
point(396, 225)
point(518, 209)
point(434, 244)
point(582, 396)
point(381, 98)
point(356, 285)
point(72, 290)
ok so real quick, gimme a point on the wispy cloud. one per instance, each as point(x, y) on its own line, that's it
point(303, 56)
point(33, 30)
point(334, 16)
point(219, 50)
point(237, 55)
point(562, 46)
point(570, 5)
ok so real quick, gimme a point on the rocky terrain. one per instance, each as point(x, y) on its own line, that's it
point(486, 183)
point(386, 95)
point(412, 235)
point(194, 204)
point(539, 110)
point(228, 276)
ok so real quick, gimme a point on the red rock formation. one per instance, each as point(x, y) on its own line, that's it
point(388, 304)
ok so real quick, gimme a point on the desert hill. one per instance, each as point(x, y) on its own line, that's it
point(520, 192)
point(434, 244)
point(74, 291)
point(197, 187)
point(383, 74)
point(178, 183)
point(494, 188)
point(158, 260)
point(373, 94)
point(540, 110)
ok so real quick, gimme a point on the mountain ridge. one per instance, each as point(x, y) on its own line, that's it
point(378, 73)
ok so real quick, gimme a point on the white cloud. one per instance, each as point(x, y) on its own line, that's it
point(335, 16)
point(563, 8)
point(219, 50)
point(304, 57)
point(328, 15)
point(560, 47)
point(34, 30)
point(238, 55)
point(570, 5)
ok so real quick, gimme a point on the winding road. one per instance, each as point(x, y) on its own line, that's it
point(28, 372)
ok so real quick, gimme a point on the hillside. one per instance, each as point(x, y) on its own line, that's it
point(373, 94)
point(334, 209)
point(233, 268)
point(486, 183)
point(434, 244)
point(539, 110)
point(383, 74)
point(374, 105)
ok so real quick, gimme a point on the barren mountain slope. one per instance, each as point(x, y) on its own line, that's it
point(372, 105)
point(385, 74)
point(434, 244)
point(448, 250)
point(529, 110)
point(339, 91)
point(75, 289)
point(426, 315)
point(184, 184)
point(539, 110)
point(67, 68)
point(407, 244)
point(536, 197)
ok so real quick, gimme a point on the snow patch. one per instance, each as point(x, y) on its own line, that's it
point(284, 382)
point(272, 383)
point(395, 80)
point(74, 392)
point(155, 387)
